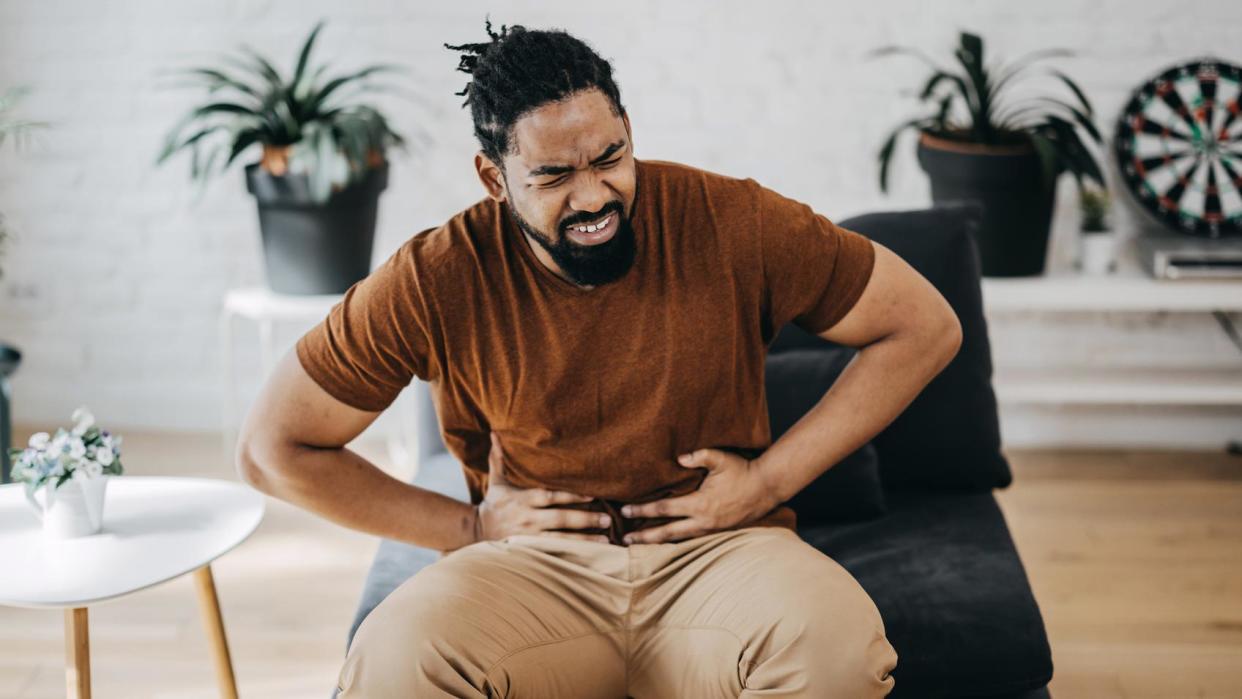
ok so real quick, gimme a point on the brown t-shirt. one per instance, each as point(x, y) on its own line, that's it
point(597, 391)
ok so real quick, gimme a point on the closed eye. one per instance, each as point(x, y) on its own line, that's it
point(561, 180)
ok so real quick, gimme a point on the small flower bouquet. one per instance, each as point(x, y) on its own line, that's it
point(71, 469)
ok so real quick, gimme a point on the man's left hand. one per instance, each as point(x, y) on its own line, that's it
point(734, 491)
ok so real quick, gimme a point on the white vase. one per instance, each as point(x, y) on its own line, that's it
point(1097, 252)
point(72, 510)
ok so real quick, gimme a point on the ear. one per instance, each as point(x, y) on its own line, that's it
point(490, 175)
point(625, 117)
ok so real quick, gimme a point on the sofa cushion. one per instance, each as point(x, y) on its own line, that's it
point(956, 603)
point(953, 422)
point(794, 382)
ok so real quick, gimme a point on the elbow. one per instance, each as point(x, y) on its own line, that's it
point(262, 465)
point(950, 338)
point(249, 468)
point(954, 336)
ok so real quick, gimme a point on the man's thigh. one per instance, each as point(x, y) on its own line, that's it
point(493, 619)
point(754, 612)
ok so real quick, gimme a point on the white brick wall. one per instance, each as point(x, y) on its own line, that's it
point(114, 280)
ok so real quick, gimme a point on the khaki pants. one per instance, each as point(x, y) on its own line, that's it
point(752, 612)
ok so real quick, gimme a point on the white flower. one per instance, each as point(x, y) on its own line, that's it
point(39, 440)
point(89, 469)
point(77, 449)
point(84, 420)
point(103, 455)
point(59, 443)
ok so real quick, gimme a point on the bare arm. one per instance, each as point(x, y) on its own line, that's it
point(906, 333)
point(292, 446)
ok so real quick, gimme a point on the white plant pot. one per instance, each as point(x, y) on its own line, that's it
point(74, 509)
point(1097, 253)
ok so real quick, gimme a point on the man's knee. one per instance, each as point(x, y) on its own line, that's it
point(831, 626)
point(423, 637)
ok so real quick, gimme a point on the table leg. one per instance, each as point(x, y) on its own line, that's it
point(77, 654)
point(209, 605)
point(228, 390)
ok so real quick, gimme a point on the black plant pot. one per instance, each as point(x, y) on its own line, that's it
point(10, 358)
point(311, 248)
point(1008, 183)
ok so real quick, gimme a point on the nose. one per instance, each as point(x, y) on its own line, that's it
point(590, 193)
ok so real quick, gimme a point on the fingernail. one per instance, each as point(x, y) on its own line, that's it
point(604, 520)
point(627, 510)
point(628, 539)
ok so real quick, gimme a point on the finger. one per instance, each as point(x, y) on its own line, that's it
point(541, 497)
point(681, 506)
point(570, 519)
point(673, 531)
point(582, 537)
point(703, 458)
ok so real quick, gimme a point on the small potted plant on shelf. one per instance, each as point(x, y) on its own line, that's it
point(322, 162)
point(1006, 154)
point(71, 470)
point(1097, 243)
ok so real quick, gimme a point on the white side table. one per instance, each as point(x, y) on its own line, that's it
point(154, 529)
point(266, 308)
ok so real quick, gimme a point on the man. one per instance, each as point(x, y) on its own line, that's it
point(594, 333)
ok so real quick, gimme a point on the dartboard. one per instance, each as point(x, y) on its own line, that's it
point(1179, 147)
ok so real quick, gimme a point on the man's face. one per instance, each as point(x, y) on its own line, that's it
point(571, 168)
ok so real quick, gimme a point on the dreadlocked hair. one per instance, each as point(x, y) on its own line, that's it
point(519, 70)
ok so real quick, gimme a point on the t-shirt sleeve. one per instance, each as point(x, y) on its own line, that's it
point(375, 340)
point(814, 271)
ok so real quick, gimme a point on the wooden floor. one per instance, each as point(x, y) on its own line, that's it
point(1135, 558)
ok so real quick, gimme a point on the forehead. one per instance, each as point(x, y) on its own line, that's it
point(571, 131)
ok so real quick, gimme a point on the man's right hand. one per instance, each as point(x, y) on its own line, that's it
point(508, 510)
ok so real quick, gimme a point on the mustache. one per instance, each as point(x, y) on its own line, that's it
point(586, 217)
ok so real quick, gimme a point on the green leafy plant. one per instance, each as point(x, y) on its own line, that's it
point(17, 130)
point(1049, 124)
point(307, 124)
point(1093, 204)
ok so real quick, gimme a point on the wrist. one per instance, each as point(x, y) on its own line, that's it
point(768, 483)
point(476, 524)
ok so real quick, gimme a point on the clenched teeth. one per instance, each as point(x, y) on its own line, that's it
point(591, 229)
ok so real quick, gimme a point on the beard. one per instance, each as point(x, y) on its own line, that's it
point(588, 265)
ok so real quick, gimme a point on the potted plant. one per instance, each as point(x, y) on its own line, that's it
point(71, 470)
point(1005, 154)
point(17, 130)
point(322, 163)
point(1097, 253)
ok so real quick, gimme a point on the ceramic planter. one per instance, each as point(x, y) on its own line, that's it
point(313, 248)
point(1007, 182)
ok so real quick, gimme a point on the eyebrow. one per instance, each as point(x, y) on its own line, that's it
point(562, 169)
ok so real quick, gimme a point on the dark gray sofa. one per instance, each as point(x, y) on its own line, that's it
point(939, 561)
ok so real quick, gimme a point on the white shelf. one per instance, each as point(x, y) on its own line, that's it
point(1116, 292)
point(1119, 387)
